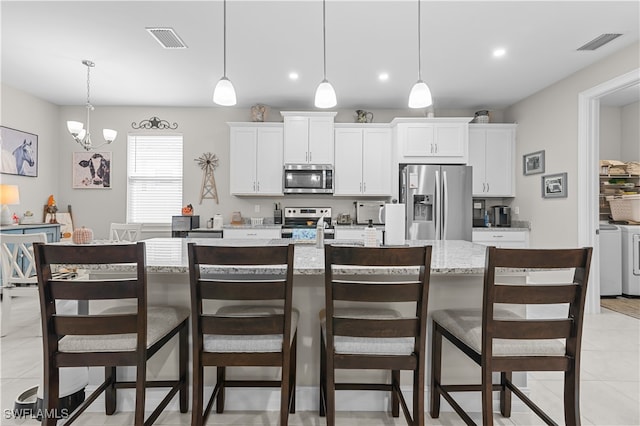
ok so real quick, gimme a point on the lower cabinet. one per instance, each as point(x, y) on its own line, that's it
point(249, 233)
point(354, 233)
point(501, 239)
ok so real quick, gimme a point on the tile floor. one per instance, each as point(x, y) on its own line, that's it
point(610, 391)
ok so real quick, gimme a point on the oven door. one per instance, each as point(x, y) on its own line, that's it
point(308, 179)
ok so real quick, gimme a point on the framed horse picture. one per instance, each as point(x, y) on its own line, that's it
point(19, 152)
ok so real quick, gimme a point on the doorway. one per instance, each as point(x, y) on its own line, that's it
point(588, 166)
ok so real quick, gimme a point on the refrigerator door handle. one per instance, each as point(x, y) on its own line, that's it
point(445, 199)
point(438, 207)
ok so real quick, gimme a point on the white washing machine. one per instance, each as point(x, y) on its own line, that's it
point(630, 259)
point(610, 265)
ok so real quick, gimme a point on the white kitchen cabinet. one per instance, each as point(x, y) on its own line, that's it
point(362, 160)
point(251, 233)
point(356, 234)
point(432, 140)
point(308, 137)
point(501, 238)
point(255, 156)
point(492, 156)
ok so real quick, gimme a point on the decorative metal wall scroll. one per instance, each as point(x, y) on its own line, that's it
point(208, 163)
point(154, 123)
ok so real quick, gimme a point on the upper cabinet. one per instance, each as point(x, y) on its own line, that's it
point(492, 156)
point(363, 160)
point(432, 140)
point(255, 154)
point(308, 137)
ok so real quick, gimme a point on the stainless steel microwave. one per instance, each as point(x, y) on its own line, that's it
point(308, 179)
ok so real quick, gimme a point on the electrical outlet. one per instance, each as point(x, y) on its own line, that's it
point(516, 210)
point(256, 208)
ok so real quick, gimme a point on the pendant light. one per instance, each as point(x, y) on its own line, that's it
point(325, 95)
point(420, 96)
point(224, 93)
point(76, 128)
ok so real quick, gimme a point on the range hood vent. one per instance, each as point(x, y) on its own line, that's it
point(167, 38)
point(599, 41)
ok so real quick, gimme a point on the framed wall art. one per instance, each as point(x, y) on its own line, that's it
point(19, 152)
point(554, 186)
point(91, 170)
point(533, 163)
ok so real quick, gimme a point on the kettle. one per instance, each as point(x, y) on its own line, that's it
point(217, 222)
point(364, 116)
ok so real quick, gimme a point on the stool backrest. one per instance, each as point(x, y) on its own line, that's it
point(223, 280)
point(18, 263)
point(354, 287)
point(572, 293)
point(56, 325)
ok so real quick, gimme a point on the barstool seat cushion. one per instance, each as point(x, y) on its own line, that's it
point(466, 325)
point(369, 345)
point(249, 343)
point(160, 320)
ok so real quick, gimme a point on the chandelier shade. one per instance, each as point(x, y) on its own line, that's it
point(76, 128)
point(224, 94)
point(325, 95)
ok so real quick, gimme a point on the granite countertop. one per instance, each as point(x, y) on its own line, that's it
point(357, 226)
point(169, 255)
point(500, 229)
point(250, 226)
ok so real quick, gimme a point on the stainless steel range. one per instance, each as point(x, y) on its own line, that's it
point(306, 218)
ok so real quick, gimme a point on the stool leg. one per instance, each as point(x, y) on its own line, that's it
point(110, 396)
point(51, 397)
point(141, 379)
point(436, 369)
point(572, 396)
point(294, 368)
point(221, 382)
point(6, 311)
point(197, 403)
point(487, 395)
point(395, 401)
point(330, 391)
point(418, 393)
point(183, 360)
point(323, 375)
point(505, 394)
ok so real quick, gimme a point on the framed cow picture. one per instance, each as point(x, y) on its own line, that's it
point(91, 170)
point(19, 152)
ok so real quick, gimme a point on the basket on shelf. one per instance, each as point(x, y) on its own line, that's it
point(625, 207)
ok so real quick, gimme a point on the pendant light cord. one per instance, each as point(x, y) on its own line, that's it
point(419, 49)
point(324, 42)
point(224, 39)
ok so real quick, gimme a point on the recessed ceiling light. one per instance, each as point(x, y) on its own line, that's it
point(500, 52)
point(293, 75)
point(383, 76)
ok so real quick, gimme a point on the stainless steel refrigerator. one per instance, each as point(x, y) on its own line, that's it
point(438, 201)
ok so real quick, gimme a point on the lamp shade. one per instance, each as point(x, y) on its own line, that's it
point(224, 93)
point(9, 194)
point(325, 95)
point(74, 127)
point(420, 96)
point(109, 135)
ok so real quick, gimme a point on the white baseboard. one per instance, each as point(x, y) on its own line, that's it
point(307, 399)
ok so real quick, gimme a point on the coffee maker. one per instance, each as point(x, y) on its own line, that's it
point(478, 213)
point(502, 216)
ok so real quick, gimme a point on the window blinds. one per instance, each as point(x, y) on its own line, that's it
point(154, 178)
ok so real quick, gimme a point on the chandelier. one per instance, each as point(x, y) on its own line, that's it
point(76, 128)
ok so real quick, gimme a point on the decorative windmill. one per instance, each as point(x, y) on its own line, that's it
point(208, 163)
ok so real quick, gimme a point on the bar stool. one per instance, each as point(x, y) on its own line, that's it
point(499, 340)
point(374, 337)
point(256, 335)
point(118, 336)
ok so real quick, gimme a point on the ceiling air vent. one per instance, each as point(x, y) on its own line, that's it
point(599, 41)
point(167, 37)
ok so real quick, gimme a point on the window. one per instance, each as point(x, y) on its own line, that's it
point(154, 178)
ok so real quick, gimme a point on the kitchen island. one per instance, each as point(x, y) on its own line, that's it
point(456, 281)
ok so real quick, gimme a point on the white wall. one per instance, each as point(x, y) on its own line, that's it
point(549, 120)
point(610, 133)
point(630, 147)
point(30, 114)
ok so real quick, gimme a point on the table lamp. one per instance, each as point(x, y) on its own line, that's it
point(9, 194)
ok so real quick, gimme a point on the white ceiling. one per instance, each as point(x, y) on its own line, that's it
point(44, 42)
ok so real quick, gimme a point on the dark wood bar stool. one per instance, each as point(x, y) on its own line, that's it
point(501, 341)
point(374, 337)
point(119, 336)
point(260, 333)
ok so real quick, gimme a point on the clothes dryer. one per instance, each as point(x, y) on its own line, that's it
point(630, 259)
